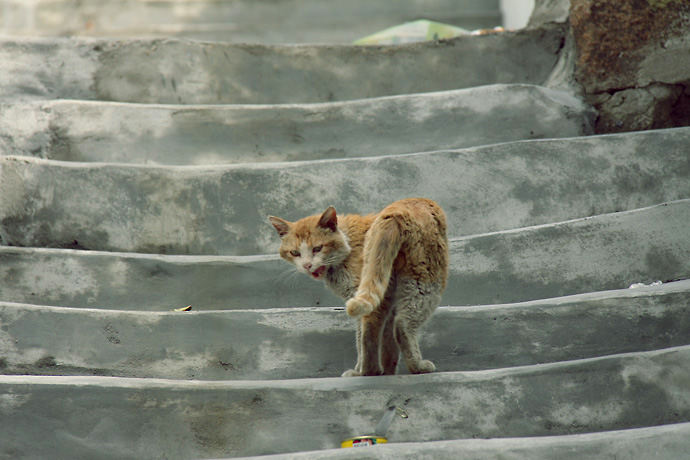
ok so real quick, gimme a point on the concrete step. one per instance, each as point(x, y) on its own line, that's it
point(223, 209)
point(291, 343)
point(188, 72)
point(605, 252)
point(296, 21)
point(179, 135)
point(584, 255)
point(83, 417)
point(667, 442)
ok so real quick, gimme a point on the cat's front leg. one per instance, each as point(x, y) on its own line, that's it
point(360, 352)
point(368, 338)
point(357, 371)
point(371, 339)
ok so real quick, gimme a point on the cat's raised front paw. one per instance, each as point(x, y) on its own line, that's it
point(351, 373)
point(357, 307)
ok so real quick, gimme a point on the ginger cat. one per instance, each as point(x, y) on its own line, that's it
point(391, 267)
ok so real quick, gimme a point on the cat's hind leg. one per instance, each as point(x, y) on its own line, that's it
point(406, 336)
point(414, 305)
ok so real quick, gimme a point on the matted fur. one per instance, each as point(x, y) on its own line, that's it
point(391, 267)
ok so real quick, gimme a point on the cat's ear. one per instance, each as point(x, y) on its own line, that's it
point(281, 226)
point(329, 219)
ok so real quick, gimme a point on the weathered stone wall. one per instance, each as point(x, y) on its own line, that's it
point(633, 61)
point(630, 60)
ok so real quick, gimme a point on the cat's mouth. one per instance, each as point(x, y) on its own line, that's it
point(318, 272)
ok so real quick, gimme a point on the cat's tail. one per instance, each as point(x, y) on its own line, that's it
point(380, 251)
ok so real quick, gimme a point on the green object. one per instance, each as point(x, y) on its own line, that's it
point(415, 31)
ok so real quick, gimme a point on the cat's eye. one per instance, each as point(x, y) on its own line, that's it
point(317, 248)
point(294, 253)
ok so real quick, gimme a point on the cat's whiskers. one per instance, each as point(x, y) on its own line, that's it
point(288, 276)
point(333, 259)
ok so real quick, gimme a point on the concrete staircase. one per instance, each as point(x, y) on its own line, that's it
point(136, 175)
point(274, 22)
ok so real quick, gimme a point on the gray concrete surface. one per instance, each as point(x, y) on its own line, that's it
point(188, 72)
point(670, 442)
point(222, 209)
point(319, 342)
point(585, 255)
point(603, 252)
point(83, 417)
point(192, 135)
point(295, 21)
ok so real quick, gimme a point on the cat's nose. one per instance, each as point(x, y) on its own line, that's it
point(307, 266)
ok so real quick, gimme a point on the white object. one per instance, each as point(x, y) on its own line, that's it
point(639, 285)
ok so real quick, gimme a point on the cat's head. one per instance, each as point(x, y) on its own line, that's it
point(312, 244)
